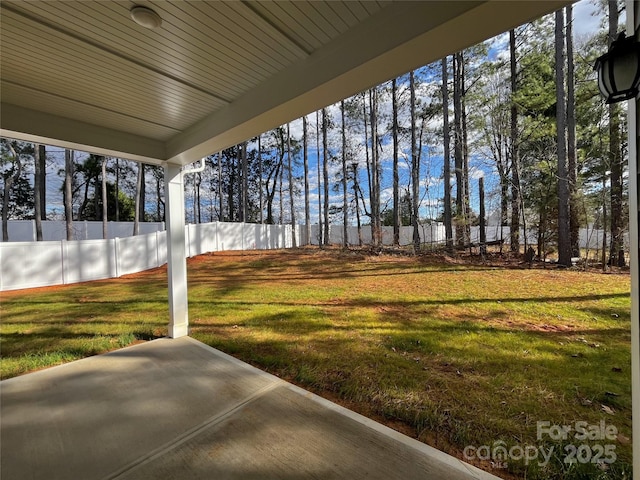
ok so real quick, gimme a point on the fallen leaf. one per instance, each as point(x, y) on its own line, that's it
point(608, 410)
point(624, 440)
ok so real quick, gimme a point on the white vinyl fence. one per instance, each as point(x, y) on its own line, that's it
point(435, 234)
point(38, 264)
point(52, 230)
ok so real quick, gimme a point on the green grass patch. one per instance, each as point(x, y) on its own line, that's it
point(454, 355)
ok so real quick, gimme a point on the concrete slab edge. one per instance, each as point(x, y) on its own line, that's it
point(46, 370)
point(425, 449)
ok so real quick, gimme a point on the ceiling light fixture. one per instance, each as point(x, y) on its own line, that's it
point(145, 17)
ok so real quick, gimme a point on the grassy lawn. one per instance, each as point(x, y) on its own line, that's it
point(454, 355)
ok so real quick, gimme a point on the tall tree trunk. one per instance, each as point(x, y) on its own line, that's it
point(117, 192)
point(239, 217)
point(367, 163)
point(345, 203)
point(320, 229)
point(457, 147)
point(604, 222)
point(143, 191)
point(261, 199)
point(396, 179)
point(305, 159)
point(197, 181)
point(68, 192)
point(448, 228)
point(465, 155)
point(616, 253)
point(8, 184)
point(483, 233)
point(138, 208)
point(356, 188)
point(37, 192)
point(514, 150)
point(281, 194)
point(231, 203)
point(375, 169)
point(325, 175)
point(574, 220)
point(245, 181)
point(564, 240)
point(415, 167)
point(105, 200)
point(292, 203)
point(43, 181)
point(220, 195)
point(159, 203)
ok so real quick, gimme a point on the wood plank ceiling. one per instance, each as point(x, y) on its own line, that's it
point(82, 74)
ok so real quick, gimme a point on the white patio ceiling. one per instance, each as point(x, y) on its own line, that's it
point(83, 75)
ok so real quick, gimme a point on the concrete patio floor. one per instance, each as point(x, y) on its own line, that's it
point(173, 409)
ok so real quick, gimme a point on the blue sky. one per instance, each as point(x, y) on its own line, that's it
point(585, 23)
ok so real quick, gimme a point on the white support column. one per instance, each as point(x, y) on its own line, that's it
point(176, 252)
point(633, 24)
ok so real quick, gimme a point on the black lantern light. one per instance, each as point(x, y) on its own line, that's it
point(619, 70)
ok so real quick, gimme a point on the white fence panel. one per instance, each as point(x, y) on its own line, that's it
point(55, 230)
point(22, 230)
point(87, 260)
point(229, 236)
point(251, 237)
point(274, 237)
point(161, 241)
point(207, 237)
point(200, 238)
point(136, 254)
point(30, 264)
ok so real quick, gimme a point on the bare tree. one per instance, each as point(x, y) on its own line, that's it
point(356, 190)
point(448, 228)
point(37, 191)
point(117, 191)
point(374, 199)
point(514, 150)
point(320, 230)
point(291, 196)
point(458, 153)
point(415, 167)
point(305, 160)
point(139, 200)
point(616, 253)
point(105, 201)
point(42, 153)
point(68, 192)
point(325, 175)
point(345, 203)
point(10, 179)
point(564, 240)
point(396, 179)
point(574, 220)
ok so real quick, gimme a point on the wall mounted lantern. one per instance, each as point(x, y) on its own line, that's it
point(619, 70)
